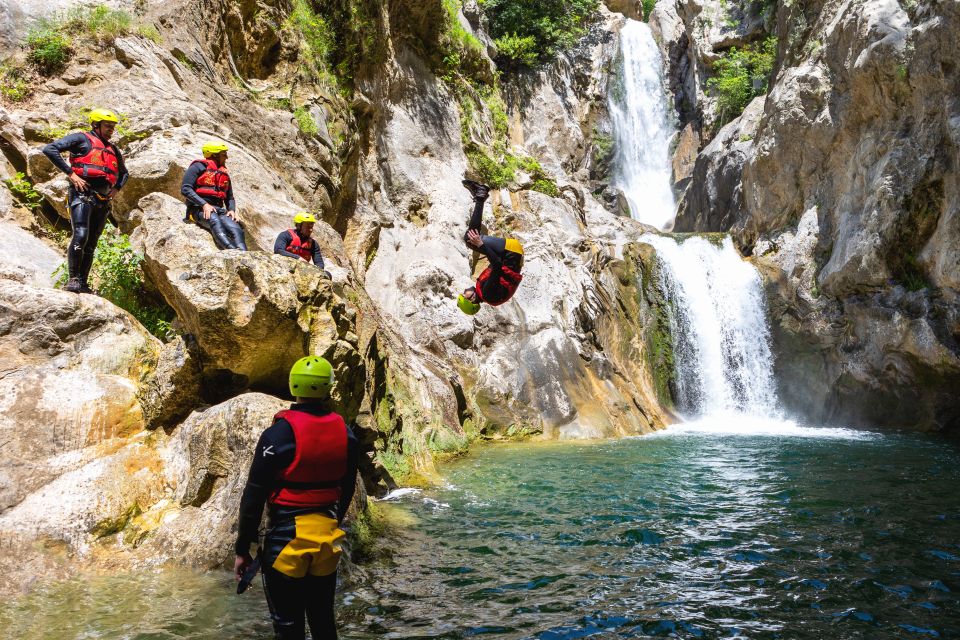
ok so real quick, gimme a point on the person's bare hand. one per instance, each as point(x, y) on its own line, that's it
point(240, 565)
point(208, 210)
point(111, 193)
point(233, 214)
point(473, 239)
point(78, 183)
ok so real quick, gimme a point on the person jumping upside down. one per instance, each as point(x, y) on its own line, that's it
point(499, 281)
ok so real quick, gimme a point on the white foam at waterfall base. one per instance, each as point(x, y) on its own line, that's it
point(642, 129)
point(740, 424)
point(718, 321)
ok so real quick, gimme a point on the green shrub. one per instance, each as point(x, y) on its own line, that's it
point(117, 274)
point(547, 186)
point(522, 50)
point(305, 122)
point(496, 174)
point(149, 32)
point(23, 191)
point(459, 36)
point(47, 47)
point(648, 6)
point(734, 75)
point(316, 39)
point(98, 22)
point(531, 32)
point(14, 85)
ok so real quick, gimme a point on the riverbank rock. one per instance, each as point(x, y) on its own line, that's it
point(252, 314)
point(71, 365)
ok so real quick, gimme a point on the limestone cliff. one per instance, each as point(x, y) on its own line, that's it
point(842, 183)
point(156, 433)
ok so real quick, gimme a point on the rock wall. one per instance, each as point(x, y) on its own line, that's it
point(842, 182)
point(151, 437)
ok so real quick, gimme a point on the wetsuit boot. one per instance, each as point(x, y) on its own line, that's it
point(477, 190)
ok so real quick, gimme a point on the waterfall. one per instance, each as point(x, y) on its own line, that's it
point(721, 342)
point(642, 129)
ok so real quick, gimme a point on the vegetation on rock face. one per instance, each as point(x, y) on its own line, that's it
point(527, 33)
point(78, 120)
point(14, 82)
point(50, 43)
point(22, 189)
point(740, 75)
point(117, 275)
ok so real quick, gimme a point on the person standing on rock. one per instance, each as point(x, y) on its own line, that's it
point(305, 469)
point(210, 203)
point(499, 281)
point(298, 242)
point(95, 172)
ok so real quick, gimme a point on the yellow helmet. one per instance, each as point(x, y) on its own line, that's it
point(303, 216)
point(514, 245)
point(467, 306)
point(213, 148)
point(103, 115)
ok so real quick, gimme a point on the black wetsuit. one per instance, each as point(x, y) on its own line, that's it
point(283, 241)
point(494, 249)
point(227, 232)
point(290, 599)
point(88, 210)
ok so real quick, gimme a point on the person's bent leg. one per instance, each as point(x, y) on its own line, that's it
point(287, 599)
point(98, 220)
point(212, 225)
point(234, 233)
point(322, 592)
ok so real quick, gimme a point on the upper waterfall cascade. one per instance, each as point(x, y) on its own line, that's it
point(642, 129)
point(718, 319)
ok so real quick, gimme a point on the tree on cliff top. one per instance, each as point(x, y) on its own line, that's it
point(531, 32)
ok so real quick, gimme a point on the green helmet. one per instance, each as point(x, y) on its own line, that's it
point(311, 377)
point(467, 306)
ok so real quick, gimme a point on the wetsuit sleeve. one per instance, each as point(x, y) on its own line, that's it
point(275, 451)
point(281, 244)
point(349, 484)
point(75, 143)
point(231, 202)
point(317, 258)
point(189, 180)
point(122, 174)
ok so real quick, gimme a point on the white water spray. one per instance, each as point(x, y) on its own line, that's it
point(642, 129)
point(721, 343)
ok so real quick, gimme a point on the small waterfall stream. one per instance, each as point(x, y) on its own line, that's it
point(642, 129)
point(722, 357)
point(721, 342)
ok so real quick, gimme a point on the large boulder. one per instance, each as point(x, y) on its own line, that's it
point(71, 367)
point(205, 465)
point(252, 314)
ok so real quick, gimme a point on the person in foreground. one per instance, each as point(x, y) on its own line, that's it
point(95, 172)
point(305, 469)
point(298, 242)
point(209, 194)
point(498, 282)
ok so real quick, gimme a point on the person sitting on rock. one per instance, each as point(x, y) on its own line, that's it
point(499, 281)
point(209, 194)
point(298, 243)
point(95, 172)
point(305, 468)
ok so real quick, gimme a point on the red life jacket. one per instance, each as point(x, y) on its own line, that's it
point(214, 182)
point(509, 281)
point(304, 250)
point(319, 463)
point(100, 162)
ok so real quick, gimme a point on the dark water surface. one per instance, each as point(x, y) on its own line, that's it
point(689, 535)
